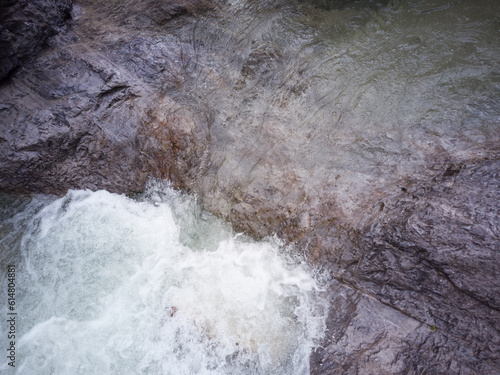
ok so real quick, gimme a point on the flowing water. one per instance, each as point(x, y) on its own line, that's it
point(343, 98)
point(107, 284)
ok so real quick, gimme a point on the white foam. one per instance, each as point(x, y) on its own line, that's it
point(112, 285)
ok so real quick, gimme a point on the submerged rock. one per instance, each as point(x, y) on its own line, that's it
point(400, 208)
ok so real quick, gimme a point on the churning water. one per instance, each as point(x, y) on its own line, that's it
point(108, 284)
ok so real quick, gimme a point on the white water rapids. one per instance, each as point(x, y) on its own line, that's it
point(108, 284)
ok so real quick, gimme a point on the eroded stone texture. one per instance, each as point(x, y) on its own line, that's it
point(432, 255)
point(25, 27)
point(366, 336)
point(90, 111)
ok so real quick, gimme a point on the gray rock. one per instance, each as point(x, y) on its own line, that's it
point(432, 255)
point(24, 28)
point(83, 113)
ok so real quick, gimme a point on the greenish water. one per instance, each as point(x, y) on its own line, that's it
point(344, 98)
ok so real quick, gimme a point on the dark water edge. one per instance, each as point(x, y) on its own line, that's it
point(367, 133)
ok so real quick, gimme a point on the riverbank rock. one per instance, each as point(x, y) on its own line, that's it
point(402, 218)
point(24, 28)
point(90, 111)
point(432, 258)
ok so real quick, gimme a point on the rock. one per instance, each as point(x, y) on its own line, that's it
point(24, 28)
point(82, 115)
point(365, 336)
point(432, 256)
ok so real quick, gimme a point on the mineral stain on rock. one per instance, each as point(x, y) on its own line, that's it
point(364, 133)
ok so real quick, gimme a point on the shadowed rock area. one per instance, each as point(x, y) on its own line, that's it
point(373, 148)
point(25, 26)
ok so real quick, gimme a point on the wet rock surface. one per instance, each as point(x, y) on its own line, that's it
point(404, 220)
point(25, 26)
point(81, 114)
point(432, 256)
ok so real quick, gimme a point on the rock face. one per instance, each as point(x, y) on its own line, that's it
point(86, 109)
point(25, 26)
point(432, 256)
point(403, 217)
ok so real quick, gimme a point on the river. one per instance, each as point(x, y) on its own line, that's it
point(315, 111)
